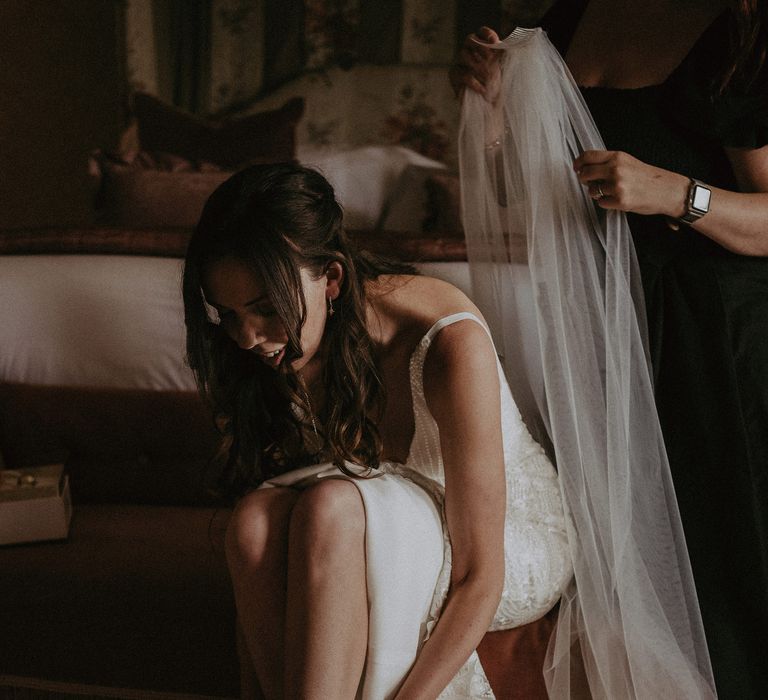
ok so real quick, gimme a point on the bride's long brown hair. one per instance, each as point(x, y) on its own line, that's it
point(278, 219)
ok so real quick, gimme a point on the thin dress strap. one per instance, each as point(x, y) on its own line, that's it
point(447, 321)
point(424, 454)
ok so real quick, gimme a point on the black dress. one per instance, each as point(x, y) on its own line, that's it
point(708, 328)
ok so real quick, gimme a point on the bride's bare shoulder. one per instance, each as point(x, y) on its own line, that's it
point(417, 301)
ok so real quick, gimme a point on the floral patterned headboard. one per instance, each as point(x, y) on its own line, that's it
point(372, 72)
point(411, 106)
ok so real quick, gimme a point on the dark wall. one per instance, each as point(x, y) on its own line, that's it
point(62, 82)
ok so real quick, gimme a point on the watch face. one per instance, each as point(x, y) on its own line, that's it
point(701, 197)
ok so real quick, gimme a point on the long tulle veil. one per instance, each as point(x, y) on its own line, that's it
point(629, 625)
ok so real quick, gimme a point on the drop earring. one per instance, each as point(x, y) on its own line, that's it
point(330, 307)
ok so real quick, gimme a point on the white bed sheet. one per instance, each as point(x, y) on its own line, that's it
point(117, 321)
point(92, 321)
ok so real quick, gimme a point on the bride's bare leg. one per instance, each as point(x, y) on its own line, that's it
point(327, 607)
point(249, 684)
point(257, 547)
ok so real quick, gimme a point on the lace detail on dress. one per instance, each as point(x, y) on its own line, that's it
point(537, 559)
point(470, 683)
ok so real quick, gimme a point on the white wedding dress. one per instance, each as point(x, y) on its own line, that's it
point(408, 550)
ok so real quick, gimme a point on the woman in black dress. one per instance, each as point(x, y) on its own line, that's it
point(679, 92)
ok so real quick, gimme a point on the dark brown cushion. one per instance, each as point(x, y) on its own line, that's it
point(444, 220)
point(138, 597)
point(169, 243)
point(443, 204)
point(119, 445)
point(414, 247)
point(172, 242)
point(154, 190)
point(266, 137)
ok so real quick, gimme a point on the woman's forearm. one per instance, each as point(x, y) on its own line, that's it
point(464, 620)
point(737, 221)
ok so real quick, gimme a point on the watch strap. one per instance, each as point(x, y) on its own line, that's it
point(692, 211)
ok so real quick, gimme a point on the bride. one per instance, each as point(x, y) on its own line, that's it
point(392, 506)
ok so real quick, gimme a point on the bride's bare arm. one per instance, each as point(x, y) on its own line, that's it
point(461, 385)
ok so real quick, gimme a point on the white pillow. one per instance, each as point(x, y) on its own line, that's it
point(367, 178)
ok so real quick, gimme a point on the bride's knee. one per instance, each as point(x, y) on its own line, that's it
point(259, 525)
point(328, 517)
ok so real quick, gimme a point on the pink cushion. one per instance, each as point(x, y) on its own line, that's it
point(154, 190)
point(513, 659)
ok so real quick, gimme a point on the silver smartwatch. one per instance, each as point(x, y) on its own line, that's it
point(696, 202)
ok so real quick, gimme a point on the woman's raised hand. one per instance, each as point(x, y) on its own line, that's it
point(477, 66)
point(617, 180)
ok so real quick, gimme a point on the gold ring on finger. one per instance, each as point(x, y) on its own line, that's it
point(600, 193)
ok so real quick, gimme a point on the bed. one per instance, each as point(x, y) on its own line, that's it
point(92, 375)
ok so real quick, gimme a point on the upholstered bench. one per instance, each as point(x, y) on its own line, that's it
point(137, 601)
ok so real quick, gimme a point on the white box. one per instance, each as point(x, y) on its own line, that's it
point(34, 504)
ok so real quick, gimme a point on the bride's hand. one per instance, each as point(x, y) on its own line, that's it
point(617, 180)
point(477, 66)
